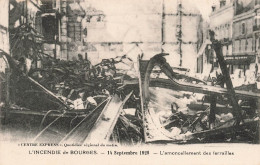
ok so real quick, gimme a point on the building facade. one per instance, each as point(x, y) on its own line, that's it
point(98, 42)
point(61, 22)
point(4, 32)
point(243, 42)
point(236, 25)
point(245, 39)
point(256, 34)
point(161, 26)
point(182, 37)
point(4, 36)
point(56, 22)
point(221, 22)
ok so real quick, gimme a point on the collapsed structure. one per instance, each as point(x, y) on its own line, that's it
point(76, 102)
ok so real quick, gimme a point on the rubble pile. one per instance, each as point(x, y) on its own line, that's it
point(178, 115)
point(80, 86)
point(79, 82)
point(88, 92)
point(128, 130)
point(75, 82)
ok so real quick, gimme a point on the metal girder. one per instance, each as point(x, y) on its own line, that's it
point(98, 126)
point(106, 122)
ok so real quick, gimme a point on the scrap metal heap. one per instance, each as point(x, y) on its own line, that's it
point(77, 102)
point(204, 113)
point(177, 111)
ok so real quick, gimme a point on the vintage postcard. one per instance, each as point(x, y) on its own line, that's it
point(129, 82)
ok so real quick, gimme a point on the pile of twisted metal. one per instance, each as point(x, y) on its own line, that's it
point(75, 102)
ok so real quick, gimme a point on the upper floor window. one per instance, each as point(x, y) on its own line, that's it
point(89, 18)
point(49, 27)
point(243, 28)
point(48, 5)
point(99, 19)
point(246, 46)
point(222, 3)
point(259, 43)
point(236, 46)
point(257, 2)
point(240, 43)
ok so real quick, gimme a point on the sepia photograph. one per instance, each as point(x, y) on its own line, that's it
point(132, 75)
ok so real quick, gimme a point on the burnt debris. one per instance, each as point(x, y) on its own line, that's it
point(72, 101)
